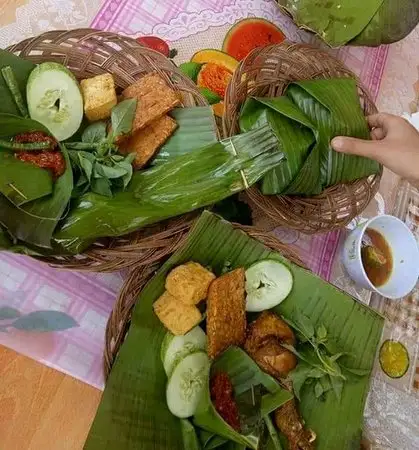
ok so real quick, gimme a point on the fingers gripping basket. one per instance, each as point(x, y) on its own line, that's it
point(87, 53)
point(267, 72)
point(138, 277)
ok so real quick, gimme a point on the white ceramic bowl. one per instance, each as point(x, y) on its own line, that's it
point(405, 256)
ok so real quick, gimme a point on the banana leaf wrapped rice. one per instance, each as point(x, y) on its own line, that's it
point(305, 120)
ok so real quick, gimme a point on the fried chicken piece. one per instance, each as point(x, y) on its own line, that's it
point(226, 314)
point(263, 343)
point(266, 327)
point(275, 359)
point(289, 423)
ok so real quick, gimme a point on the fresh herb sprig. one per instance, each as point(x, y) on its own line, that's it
point(101, 168)
point(319, 363)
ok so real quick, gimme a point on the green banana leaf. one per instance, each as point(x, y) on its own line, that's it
point(183, 184)
point(244, 374)
point(21, 182)
point(391, 23)
point(355, 22)
point(196, 129)
point(209, 440)
point(34, 221)
point(305, 121)
point(21, 68)
point(133, 413)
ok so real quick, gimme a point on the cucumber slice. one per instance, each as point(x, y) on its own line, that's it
point(55, 100)
point(268, 283)
point(174, 348)
point(394, 359)
point(187, 383)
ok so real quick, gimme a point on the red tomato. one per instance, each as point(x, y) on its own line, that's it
point(155, 43)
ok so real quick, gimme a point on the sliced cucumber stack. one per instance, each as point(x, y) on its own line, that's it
point(187, 384)
point(174, 348)
point(55, 100)
point(268, 283)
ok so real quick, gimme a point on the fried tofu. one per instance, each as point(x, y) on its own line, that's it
point(99, 96)
point(154, 99)
point(146, 142)
point(177, 317)
point(189, 282)
point(226, 314)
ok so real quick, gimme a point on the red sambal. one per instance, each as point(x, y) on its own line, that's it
point(222, 395)
point(50, 159)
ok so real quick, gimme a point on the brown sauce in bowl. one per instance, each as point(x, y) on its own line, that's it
point(379, 269)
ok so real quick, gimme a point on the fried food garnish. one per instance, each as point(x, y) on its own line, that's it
point(154, 99)
point(189, 282)
point(146, 142)
point(177, 317)
point(289, 423)
point(226, 315)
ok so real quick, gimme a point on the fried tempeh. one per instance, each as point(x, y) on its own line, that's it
point(154, 99)
point(189, 282)
point(226, 315)
point(146, 142)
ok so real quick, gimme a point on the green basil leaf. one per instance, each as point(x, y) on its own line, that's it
point(316, 373)
point(122, 116)
point(337, 356)
point(337, 384)
point(299, 376)
point(86, 162)
point(101, 186)
point(94, 133)
point(318, 390)
point(321, 333)
point(117, 158)
point(128, 175)
point(130, 158)
point(110, 172)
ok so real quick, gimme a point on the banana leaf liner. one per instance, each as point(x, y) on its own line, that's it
point(291, 70)
point(133, 411)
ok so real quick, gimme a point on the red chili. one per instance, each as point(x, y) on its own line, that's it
point(35, 136)
point(222, 395)
point(46, 159)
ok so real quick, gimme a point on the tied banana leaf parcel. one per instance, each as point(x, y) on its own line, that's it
point(305, 120)
point(355, 22)
point(51, 224)
point(180, 185)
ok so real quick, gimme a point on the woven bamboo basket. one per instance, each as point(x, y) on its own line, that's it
point(87, 53)
point(266, 72)
point(120, 317)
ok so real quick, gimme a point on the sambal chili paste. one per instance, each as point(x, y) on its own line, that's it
point(222, 396)
point(50, 159)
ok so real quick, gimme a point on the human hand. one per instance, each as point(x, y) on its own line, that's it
point(395, 144)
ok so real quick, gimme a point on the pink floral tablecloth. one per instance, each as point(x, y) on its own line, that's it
point(84, 301)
